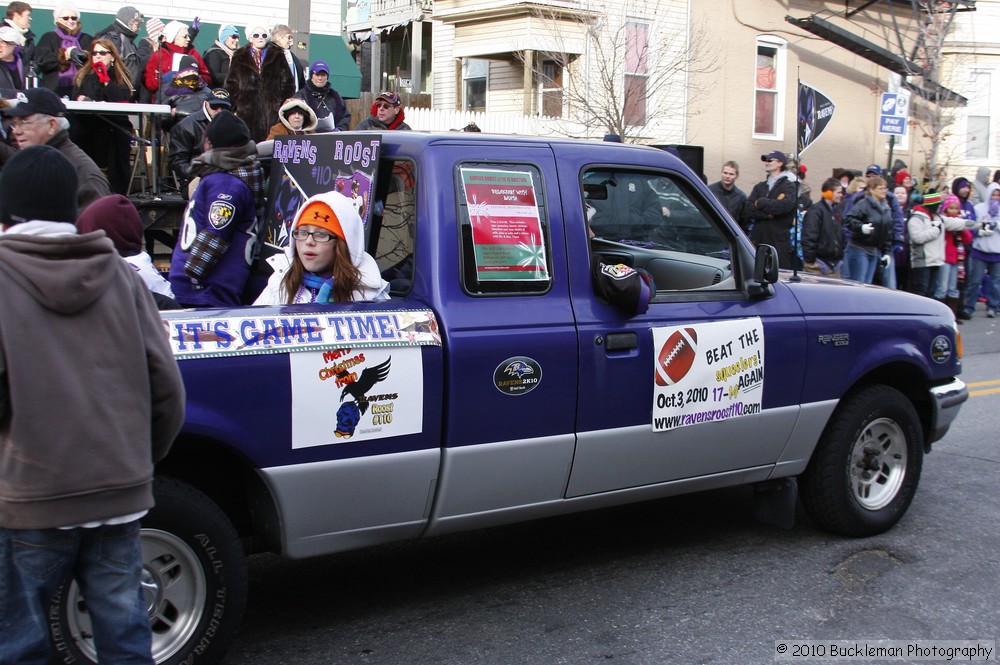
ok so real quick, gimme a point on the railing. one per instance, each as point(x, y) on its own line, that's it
point(441, 120)
point(393, 6)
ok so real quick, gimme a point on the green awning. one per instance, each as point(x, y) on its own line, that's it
point(345, 77)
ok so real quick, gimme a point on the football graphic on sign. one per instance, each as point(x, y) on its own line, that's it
point(676, 356)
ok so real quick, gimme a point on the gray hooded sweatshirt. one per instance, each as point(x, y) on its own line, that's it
point(90, 393)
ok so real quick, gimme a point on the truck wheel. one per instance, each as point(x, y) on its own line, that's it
point(194, 583)
point(865, 470)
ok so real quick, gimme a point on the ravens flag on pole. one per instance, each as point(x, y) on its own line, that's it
point(815, 113)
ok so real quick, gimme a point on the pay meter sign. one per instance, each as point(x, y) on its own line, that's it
point(894, 113)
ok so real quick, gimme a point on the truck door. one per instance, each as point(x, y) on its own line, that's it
point(703, 385)
point(510, 340)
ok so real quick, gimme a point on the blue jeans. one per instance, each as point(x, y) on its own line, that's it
point(106, 562)
point(858, 265)
point(889, 274)
point(980, 268)
point(947, 282)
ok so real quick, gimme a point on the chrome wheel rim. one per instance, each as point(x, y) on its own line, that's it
point(173, 589)
point(878, 464)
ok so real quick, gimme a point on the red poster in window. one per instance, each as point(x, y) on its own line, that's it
point(506, 227)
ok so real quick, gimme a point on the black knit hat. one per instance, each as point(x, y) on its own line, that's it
point(227, 131)
point(38, 183)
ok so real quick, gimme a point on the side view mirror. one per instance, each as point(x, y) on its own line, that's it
point(765, 272)
point(765, 265)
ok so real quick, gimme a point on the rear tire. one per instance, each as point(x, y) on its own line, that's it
point(194, 583)
point(865, 469)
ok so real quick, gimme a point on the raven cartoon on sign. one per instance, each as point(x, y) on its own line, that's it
point(365, 382)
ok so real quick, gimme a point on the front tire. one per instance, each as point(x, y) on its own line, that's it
point(865, 470)
point(194, 582)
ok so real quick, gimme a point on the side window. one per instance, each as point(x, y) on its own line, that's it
point(394, 224)
point(656, 222)
point(505, 229)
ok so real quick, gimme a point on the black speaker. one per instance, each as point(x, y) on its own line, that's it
point(692, 155)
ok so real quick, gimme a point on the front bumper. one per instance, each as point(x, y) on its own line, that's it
point(946, 400)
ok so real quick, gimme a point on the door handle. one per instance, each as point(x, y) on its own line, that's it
point(621, 341)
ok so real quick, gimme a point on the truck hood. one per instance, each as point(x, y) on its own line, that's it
point(825, 295)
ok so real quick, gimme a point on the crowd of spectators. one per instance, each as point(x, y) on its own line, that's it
point(878, 228)
point(255, 80)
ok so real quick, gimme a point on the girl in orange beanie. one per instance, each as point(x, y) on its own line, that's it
point(325, 261)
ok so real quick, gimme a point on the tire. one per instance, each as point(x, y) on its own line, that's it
point(194, 581)
point(865, 469)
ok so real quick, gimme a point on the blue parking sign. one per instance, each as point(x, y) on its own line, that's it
point(894, 112)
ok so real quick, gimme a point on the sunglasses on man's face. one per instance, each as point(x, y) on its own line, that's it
point(384, 105)
point(261, 35)
point(70, 18)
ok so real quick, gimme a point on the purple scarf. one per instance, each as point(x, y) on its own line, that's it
point(66, 77)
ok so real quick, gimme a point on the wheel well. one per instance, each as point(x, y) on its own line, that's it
point(907, 379)
point(231, 482)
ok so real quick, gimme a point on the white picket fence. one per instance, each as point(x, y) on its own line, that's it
point(438, 120)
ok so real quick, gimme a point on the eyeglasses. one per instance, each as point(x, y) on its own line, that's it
point(20, 123)
point(100, 52)
point(69, 18)
point(259, 35)
point(384, 105)
point(317, 236)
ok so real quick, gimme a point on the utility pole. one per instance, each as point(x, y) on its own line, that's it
point(298, 18)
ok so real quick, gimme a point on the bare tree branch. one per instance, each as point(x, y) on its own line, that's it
point(633, 59)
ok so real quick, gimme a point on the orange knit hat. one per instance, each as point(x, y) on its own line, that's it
point(318, 213)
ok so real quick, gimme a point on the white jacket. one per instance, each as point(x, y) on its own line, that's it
point(987, 242)
point(927, 240)
point(372, 286)
point(153, 278)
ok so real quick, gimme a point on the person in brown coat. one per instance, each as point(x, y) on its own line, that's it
point(258, 82)
point(296, 118)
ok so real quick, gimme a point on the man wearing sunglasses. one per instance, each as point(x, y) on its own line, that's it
point(387, 113)
point(259, 81)
point(770, 209)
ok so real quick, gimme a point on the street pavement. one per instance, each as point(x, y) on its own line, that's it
point(980, 334)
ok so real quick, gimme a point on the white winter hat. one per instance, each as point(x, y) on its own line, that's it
point(256, 27)
point(172, 29)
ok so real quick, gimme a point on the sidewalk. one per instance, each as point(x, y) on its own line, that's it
point(980, 334)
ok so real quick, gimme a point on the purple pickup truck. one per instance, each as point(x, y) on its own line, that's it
point(495, 385)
